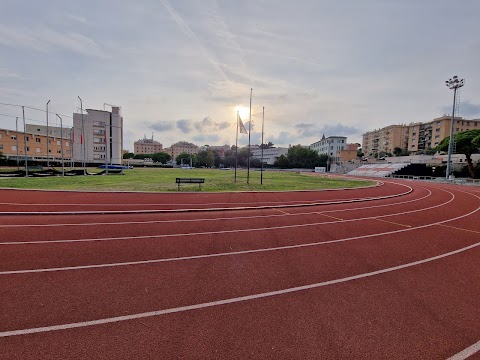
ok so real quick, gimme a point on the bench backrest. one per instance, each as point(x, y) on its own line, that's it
point(190, 180)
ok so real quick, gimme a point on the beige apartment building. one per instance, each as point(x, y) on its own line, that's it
point(385, 139)
point(422, 136)
point(147, 146)
point(181, 147)
point(35, 144)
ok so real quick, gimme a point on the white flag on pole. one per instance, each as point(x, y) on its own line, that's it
point(243, 130)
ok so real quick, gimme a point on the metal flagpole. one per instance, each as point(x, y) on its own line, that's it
point(61, 143)
point(16, 129)
point(48, 157)
point(82, 137)
point(249, 128)
point(25, 141)
point(261, 161)
point(236, 148)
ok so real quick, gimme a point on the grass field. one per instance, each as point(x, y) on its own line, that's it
point(158, 179)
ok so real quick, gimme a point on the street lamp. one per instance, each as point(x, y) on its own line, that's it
point(454, 84)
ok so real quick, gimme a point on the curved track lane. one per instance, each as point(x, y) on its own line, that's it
point(386, 277)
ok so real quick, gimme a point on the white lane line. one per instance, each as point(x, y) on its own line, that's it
point(213, 219)
point(200, 209)
point(464, 354)
point(229, 301)
point(190, 204)
point(145, 211)
point(222, 231)
point(194, 257)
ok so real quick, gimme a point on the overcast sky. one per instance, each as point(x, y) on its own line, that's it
point(179, 68)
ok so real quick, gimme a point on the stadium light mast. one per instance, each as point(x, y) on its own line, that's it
point(454, 84)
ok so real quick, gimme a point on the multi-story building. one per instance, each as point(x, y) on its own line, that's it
point(428, 135)
point(147, 146)
point(98, 136)
point(13, 143)
point(350, 152)
point(330, 146)
point(270, 155)
point(53, 131)
point(385, 139)
point(181, 147)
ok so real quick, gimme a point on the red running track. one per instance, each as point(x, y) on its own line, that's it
point(381, 277)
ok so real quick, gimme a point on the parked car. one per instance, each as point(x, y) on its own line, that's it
point(365, 159)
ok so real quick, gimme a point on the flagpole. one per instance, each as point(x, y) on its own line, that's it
point(249, 128)
point(261, 161)
point(236, 149)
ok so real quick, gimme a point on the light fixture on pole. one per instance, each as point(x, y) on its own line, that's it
point(454, 84)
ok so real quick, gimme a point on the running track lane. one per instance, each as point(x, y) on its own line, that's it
point(209, 341)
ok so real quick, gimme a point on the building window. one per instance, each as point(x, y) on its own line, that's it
point(59, 152)
point(437, 136)
point(437, 130)
point(37, 150)
point(438, 122)
point(14, 148)
point(414, 134)
point(58, 142)
point(28, 148)
point(27, 138)
point(457, 130)
point(413, 146)
point(38, 130)
point(37, 140)
point(1, 146)
point(13, 137)
point(49, 151)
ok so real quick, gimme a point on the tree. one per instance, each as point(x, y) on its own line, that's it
point(467, 143)
point(128, 155)
point(267, 145)
point(161, 157)
point(360, 153)
point(185, 157)
point(299, 157)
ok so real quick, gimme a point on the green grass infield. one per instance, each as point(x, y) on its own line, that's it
point(159, 179)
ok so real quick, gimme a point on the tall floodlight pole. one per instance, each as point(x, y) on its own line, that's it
point(48, 155)
point(16, 130)
point(61, 143)
point(453, 83)
point(82, 134)
point(261, 161)
point(25, 141)
point(249, 128)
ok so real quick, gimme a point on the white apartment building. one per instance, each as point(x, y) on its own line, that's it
point(270, 155)
point(98, 136)
point(330, 146)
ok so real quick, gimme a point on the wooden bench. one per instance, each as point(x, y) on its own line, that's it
point(198, 181)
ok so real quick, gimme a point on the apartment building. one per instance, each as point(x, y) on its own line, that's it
point(385, 139)
point(33, 146)
point(428, 135)
point(270, 155)
point(98, 136)
point(181, 147)
point(330, 146)
point(147, 146)
point(53, 131)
